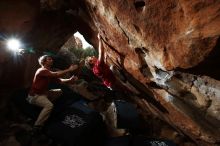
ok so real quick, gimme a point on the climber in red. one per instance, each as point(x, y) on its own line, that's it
point(102, 70)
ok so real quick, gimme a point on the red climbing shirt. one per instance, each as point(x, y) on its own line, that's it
point(102, 70)
point(41, 81)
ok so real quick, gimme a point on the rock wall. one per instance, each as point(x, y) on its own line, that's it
point(168, 51)
point(163, 46)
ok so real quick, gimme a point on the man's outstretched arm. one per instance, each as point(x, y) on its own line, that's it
point(63, 72)
point(101, 49)
point(69, 80)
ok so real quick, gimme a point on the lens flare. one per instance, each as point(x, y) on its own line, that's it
point(13, 44)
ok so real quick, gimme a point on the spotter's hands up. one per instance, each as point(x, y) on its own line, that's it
point(73, 67)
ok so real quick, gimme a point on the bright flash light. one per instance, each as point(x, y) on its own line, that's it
point(13, 44)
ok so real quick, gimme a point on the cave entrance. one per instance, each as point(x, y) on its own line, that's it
point(80, 39)
point(75, 49)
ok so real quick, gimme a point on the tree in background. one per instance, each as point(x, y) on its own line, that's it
point(81, 53)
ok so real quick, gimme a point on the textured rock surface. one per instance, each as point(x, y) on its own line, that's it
point(162, 37)
point(168, 50)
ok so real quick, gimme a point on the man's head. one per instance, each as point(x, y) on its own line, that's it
point(45, 60)
point(90, 62)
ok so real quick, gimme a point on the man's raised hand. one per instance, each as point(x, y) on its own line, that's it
point(73, 67)
point(98, 36)
point(73, 78)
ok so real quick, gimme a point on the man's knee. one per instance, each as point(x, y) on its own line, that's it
point(48, 106)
